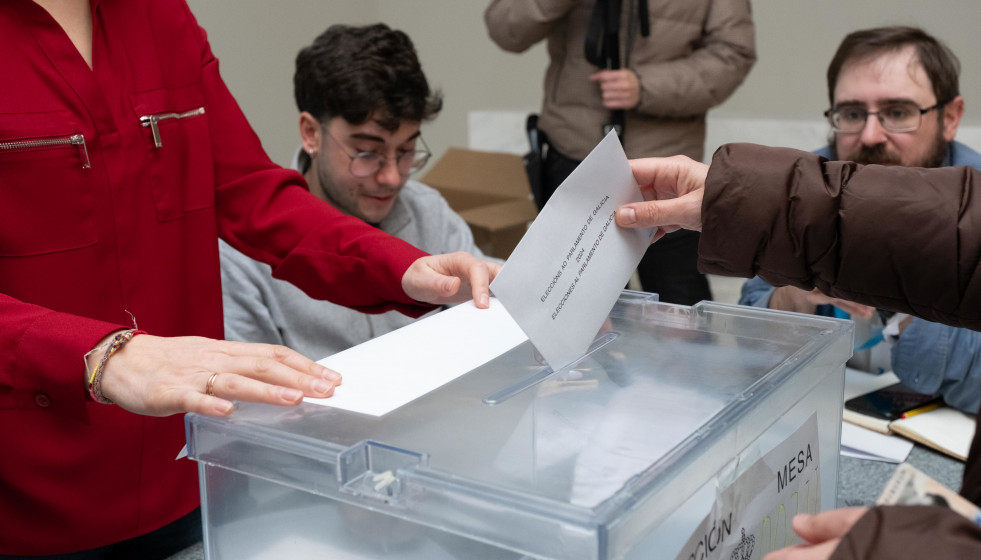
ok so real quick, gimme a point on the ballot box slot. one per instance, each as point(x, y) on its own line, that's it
point(545, 372)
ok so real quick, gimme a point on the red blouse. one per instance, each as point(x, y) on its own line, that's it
point(115, 184)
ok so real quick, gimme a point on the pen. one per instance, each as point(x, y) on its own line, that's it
point(921, 410)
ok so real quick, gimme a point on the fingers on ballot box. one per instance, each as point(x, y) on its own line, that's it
point(684, 433)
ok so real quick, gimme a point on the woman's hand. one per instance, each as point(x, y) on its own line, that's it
point(159, 376)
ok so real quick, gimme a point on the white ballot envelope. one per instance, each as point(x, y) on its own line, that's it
point(568, 270)
point(386, 372)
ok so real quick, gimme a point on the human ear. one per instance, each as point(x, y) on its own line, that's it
point(953, 111)
point(310, 133)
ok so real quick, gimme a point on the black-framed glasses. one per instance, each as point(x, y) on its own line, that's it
point(894, 117)
point(366, 164)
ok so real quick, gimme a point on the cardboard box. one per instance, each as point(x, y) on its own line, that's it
point(490, 191)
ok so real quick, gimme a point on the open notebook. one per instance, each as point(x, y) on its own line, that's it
point(945, 429)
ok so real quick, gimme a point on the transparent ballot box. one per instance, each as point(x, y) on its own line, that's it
point(685, 432)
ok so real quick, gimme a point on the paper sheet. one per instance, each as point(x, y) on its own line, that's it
point(866, 444)
point(859, 382)
point(387, 372)
point(568, 270)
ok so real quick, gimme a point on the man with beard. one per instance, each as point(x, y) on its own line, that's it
point(895, 101)
point(362, 97)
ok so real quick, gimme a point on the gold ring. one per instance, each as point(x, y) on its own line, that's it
point(210, 388)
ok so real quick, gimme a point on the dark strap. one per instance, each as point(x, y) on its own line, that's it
point(594, 35)
point(642, 15)
point(603, 48)
point(603, 35)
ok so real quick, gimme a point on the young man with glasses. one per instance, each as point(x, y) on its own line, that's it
point(895, 101)
point(362, 97)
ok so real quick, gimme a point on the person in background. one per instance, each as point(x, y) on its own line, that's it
point(899, 238)
point(895, 100)
point(123, 158)
point(650, 71)
point(362, 97)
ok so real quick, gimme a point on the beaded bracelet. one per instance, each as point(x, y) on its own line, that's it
point(95, 378)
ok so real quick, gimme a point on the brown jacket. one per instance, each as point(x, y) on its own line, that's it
point(697, 53)
point(900, 238)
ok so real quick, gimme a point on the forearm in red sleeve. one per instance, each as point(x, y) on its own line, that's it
point(41, 357)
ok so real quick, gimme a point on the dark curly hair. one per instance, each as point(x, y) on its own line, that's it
point(360, 72)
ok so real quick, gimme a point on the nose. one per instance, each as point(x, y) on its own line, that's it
point(389, 174)
point(873, 133)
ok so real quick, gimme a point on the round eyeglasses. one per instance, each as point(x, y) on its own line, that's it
point(894, 117)
point(366, 164)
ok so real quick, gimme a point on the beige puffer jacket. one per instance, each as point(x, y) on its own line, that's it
point(697, 53)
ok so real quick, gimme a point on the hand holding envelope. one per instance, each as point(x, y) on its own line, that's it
point(558, 286)
point(568, 270)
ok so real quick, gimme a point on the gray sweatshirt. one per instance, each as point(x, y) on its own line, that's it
point(260, 308)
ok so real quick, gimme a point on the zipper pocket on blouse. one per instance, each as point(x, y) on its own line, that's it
point(153, 121)
point(77, 140)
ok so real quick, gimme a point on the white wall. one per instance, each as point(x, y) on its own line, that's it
point(257, 41)
point(797, 38)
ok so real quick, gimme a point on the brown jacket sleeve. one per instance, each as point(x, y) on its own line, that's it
point(899, 238)
point(931, 532)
